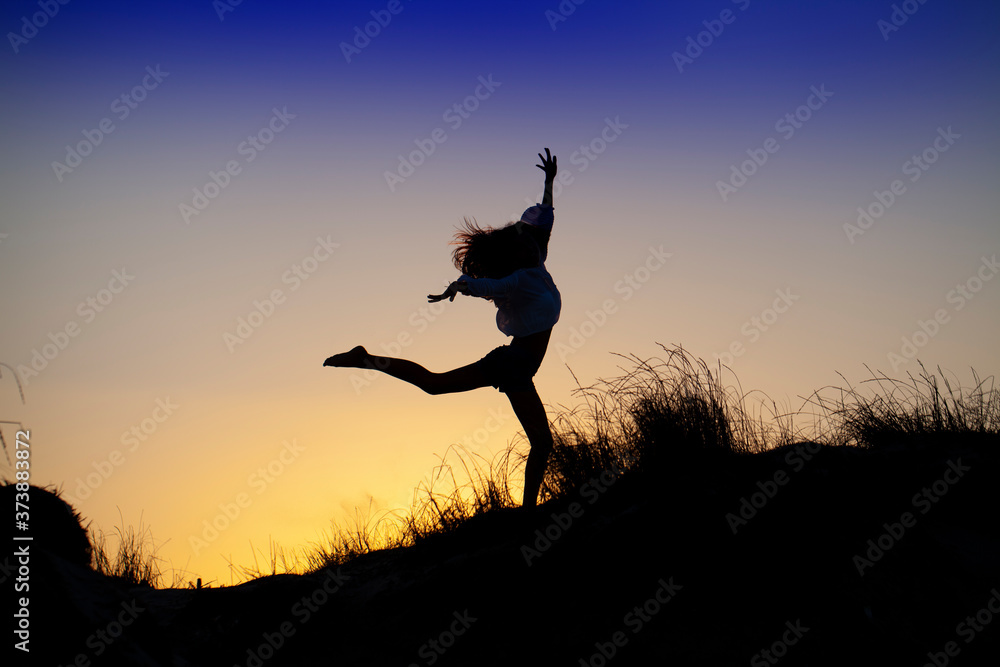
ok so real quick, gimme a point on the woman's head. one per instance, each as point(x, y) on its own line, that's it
point(487, 252)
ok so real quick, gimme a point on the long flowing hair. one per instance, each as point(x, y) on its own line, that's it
point(494, 252)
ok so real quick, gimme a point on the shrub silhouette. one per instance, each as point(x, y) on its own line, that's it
point(658, 413)
point(54, 525)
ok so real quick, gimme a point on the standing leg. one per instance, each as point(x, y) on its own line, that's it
point(531, 413)
point(465, 378)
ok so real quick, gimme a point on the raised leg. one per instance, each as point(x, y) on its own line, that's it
point(531, 413)
point(465, 378)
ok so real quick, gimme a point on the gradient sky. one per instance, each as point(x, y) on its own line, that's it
point(312, 217)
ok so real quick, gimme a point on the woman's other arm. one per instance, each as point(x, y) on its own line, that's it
point(482, 287)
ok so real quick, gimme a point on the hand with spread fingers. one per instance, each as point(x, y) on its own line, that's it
point(457, 287)
point(548, 165)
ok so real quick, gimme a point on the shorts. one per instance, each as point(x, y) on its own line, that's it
point(509, 368)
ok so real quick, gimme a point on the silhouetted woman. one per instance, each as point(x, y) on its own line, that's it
point(505, 265)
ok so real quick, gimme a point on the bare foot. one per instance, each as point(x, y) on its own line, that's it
point(356, 358)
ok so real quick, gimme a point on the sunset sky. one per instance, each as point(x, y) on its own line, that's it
point(204, 200)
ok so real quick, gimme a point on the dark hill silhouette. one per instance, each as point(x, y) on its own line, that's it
point(676, 530)
point(793, 563)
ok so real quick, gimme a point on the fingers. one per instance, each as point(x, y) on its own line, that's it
point(434, 298)
point(548, 162)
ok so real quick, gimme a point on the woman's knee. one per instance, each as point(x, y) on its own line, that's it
point(432, 384)
point(436, 384)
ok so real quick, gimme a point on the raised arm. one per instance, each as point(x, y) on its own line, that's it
point(550, 168)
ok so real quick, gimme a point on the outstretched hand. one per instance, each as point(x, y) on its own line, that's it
point(453, 289)
point(434, 298)
point(548, 165)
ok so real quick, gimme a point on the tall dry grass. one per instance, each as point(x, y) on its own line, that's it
point(133, 560)
point(924, 409)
